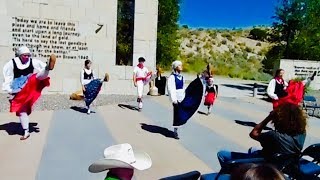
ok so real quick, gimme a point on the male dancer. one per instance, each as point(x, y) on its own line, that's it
point(24, 79)
point(141, 77)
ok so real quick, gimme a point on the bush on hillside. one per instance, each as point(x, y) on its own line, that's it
point(258, 34)
point(207, 45)
point(248, 49)
point(224, 42)
point(185, 26)
point(212, 34)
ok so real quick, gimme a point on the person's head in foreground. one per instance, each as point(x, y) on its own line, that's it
point(257, 172)
point(24, 54)
point(120, 161)
point(289, 119)
point(279, 73)
point(177, 66)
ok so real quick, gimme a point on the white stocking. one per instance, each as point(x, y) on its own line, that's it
point(24, 120)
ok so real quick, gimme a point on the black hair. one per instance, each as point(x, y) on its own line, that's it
point(278, 72)
point(141, 59)
point(86, 62)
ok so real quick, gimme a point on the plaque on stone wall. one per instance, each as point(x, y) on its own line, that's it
point(45, 37)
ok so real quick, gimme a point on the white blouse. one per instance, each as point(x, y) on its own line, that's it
point(9, 75)
point(86, 81)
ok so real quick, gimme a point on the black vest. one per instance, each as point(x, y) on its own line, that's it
point(87, 76)
point(22, 72)
point(279, 91)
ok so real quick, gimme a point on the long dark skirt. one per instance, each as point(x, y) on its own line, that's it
point(161, 85)
point(187, 108)
point(92, 91)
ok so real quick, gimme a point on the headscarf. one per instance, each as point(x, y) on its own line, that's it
point(175, 64)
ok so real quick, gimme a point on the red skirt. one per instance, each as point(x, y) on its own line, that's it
point(209, 99)
point(29, 94)
point(295, 92)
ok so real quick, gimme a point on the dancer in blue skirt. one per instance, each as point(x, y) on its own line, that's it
point(90, 85)
point(185, 101)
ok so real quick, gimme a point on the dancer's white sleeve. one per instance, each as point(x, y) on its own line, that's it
point(82, 77)
point(8, 77)
point(38, 65)
point(172, 89)
point(271, 89)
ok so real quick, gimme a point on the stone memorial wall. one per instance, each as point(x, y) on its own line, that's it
point(303, 69)
point(76, 30)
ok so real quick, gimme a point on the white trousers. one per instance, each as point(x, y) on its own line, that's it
point(140, 86)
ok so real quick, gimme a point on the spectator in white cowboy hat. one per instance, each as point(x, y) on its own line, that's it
point(120, 161)
point(24, 79)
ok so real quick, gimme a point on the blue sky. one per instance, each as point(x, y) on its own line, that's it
point(226, 13)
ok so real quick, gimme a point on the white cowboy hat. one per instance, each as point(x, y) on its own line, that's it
point(121, 156)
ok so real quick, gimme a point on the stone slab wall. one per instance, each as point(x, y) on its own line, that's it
point(301, 68)
point(76, 30)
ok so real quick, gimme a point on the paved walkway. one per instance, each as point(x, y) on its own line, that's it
point(68, 141)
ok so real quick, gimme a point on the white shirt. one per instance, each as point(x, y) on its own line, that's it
point(9, 75)
point(271, 88)
point(140, 73)
point(86, 81)
point(176, 95)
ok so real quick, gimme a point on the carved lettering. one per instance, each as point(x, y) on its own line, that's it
point(45, 37)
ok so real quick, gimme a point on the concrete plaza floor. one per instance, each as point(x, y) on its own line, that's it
point(68, 141)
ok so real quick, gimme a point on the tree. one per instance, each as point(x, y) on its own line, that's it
point(167, 42)
point(125, 28)
point(288, 23)
point(306, 43)
point(288, 18)
point(258, 34)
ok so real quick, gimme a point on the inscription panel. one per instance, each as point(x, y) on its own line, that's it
point(304, 71)
point(45, 37)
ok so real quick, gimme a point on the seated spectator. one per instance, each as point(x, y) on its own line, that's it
point(256, 172)
point(120, 161)
point(288, 137)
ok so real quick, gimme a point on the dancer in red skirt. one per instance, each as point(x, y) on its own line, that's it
point(24, 79)
point(281, 92)
point(211, 94)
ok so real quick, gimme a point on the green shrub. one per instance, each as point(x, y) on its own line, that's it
point(232, 50)
point(242, 44)
point(248, 49)
point(207, 45)
point(258, 34)
point(189, 55)
point(185, 26)
point(224, 42)
point(212, 34)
